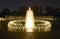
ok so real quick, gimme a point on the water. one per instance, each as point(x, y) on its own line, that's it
point(4, 34)
point(29, 25)
point(34, 35)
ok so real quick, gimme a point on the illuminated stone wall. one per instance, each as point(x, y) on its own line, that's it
point(35, 17)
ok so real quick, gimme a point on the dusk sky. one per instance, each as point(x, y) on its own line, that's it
point(14, 4)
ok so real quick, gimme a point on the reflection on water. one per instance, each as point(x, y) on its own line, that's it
point(19, 35)
point(25, 35)
point(29, 36)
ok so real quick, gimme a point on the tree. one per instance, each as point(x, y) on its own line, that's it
point(5, 11)
point(50, 10)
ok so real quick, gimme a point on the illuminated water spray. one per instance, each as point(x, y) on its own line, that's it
point(29, 25)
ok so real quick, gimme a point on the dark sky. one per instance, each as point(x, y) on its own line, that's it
point(14, 4)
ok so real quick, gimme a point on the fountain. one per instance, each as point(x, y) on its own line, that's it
point(29, 25)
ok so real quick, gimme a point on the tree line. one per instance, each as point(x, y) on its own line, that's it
point(38, 11)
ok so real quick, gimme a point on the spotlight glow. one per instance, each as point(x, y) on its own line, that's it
point(29, 20)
